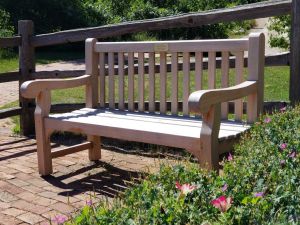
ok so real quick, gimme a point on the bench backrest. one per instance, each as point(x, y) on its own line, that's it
point(159, 73)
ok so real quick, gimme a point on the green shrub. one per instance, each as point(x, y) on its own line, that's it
point(281, 31)
point(6, 30)
point(263, 180)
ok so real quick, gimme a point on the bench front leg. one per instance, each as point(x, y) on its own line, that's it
point(209, 154)
point(43, 103)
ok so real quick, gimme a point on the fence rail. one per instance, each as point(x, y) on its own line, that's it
point(10, 42)
point(243, 12)
point(27, 42)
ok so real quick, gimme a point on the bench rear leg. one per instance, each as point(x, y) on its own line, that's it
point(95, 150)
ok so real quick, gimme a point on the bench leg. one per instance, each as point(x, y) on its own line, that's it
point(43, 152)
point(208, 153)
point(95, 151)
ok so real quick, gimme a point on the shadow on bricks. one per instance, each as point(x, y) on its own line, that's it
point(109, 181)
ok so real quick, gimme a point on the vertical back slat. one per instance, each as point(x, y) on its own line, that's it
point(212, 70)
point(224, 82)
point(141, 81)
point(151, 82)
point(121, 79)
point(256, 62)
point(186, 82)
point(239, 66)
point(102, 78)
point(111, 80)
point(163, 82)
point(198, 70)
point(130, 81)
point(174, 90)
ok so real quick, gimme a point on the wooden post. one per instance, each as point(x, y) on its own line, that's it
point(295, 54)
point(27, 67)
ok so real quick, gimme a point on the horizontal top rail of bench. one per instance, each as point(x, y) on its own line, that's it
point(243, 12)
point(10, 42)
point(174, 46)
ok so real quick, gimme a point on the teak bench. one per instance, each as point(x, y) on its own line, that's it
point(206, 137)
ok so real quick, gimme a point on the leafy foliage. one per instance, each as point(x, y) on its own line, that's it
point(281, 31)
point(56, 15)
point(6, 30)
point(260, 185)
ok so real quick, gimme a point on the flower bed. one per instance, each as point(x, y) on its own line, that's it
point(260, 184)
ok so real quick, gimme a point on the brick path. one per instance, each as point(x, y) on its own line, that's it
point(27, 198)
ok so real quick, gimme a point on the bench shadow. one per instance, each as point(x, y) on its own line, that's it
point(108, 181)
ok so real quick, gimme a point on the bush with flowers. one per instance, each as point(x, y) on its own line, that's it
point(259, 184)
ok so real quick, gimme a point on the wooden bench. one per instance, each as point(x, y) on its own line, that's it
point(206, 137)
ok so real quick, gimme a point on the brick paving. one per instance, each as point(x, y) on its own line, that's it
point(28, 198)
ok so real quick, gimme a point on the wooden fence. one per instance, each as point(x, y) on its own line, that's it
point(27, 42)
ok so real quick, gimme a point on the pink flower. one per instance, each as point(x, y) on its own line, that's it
point(89, 202)
point(283, 109)
point(230, 157)
point(267, 120)
point(185, 188)
point(292, 154)
point(259, 194)
point(224, 188)
point(60, 219)
point(282, 162)
point(283, 146)
point(222, 203)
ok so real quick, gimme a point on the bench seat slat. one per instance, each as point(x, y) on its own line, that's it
point(139, 126)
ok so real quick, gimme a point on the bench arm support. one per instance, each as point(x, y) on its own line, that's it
point(202, 101)
point(32, 89)
point(208, 103)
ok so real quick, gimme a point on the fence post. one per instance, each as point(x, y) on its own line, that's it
point(27, 66)
point(295, 54)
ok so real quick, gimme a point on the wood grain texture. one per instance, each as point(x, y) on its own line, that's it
point(151, 82)
point(102, 75)
point(10, 41)
point(211, 70)
point(280, 59)
point(141, 82)
point(163, 82)
point(239, 67)
point(243, 12)
point(199, 71)
point(27, 66)
point(130, 82)
point(175, 46)
point(208, 156)
point(70, 150)
point(121, 80)
point(111, 80)
point(224, 82)
point(174, 81)
point(31, 89)
point(201, 101)
point(186, 82)
point(256, 72)
point(91, 65)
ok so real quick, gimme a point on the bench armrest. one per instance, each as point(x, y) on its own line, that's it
point(201, 101)
point(31, 89)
